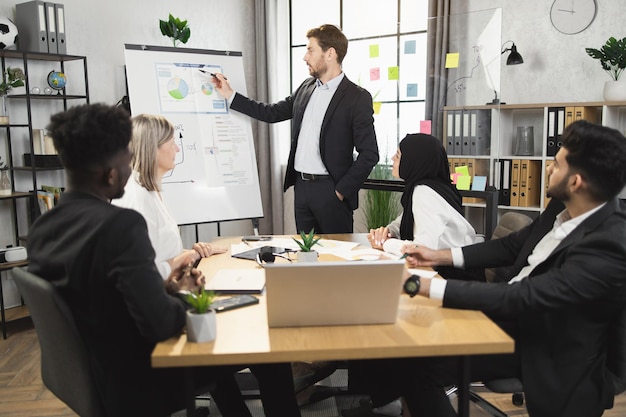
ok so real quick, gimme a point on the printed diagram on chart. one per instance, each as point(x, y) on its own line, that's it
point(216, 157)
point(183, 88)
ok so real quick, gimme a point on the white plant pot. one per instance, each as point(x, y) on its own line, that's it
point(615, 90)
point(307, 256)
point(201, 327)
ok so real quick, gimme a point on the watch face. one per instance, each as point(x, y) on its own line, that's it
point(412, 285)
point(572, 16)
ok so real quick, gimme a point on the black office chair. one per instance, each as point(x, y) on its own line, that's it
point(509, 222)
point(64, 365)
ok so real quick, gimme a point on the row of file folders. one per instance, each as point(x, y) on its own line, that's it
point(468, 132)
point(560, 117)
point(518, 182)
point(41, 27)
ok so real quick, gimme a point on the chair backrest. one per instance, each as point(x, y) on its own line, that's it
point(65, 366)
point(510, 221)
point(616, 352)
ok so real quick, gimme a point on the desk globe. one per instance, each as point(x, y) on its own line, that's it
point(57, 80)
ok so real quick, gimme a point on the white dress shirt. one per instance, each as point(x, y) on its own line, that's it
point(162, 228)
point(308, 158)
point(563, 226)
point(437, 224)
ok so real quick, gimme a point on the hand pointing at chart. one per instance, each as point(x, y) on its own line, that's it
point(221, 85)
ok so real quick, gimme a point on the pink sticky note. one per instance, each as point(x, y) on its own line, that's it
point(374, 74)
point(454, 176)
point(425, 126)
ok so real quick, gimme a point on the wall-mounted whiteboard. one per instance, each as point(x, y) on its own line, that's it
point(216, 176)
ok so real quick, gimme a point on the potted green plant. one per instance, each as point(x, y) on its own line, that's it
point(5, 183)
point(201, 323)
point(381, 207)
point(175, 29)
point(612, 57)
point(306, 253)
point(11, 78)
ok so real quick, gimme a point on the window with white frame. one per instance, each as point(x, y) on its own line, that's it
point(386, 56)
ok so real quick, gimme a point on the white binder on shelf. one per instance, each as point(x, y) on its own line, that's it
point(450, 133)
point(30, 19)
point(59, 13)
point(51, 26)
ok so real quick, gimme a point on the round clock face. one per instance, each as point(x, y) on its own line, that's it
point(573, 16)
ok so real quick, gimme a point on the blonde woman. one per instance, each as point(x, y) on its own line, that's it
point(154, 151)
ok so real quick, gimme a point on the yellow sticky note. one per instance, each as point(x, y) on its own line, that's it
point(393, 73)
point(463, 182)
point(463, 170)
point(377, 105)
point(374, 51)
point(452, 60)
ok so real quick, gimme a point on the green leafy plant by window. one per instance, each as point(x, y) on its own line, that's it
point(308, 240)
point(200, 301)
point(175, 29)
point(381, 207)
point(612, 56)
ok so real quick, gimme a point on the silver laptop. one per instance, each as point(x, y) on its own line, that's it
point(333, 293)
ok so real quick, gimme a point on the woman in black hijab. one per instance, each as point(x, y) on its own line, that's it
point(432, 211)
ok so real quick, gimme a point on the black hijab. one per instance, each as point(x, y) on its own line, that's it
point(424, 161)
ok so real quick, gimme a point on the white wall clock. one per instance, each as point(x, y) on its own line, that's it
point(573, 16)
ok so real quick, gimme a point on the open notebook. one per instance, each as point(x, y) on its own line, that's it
point(333, 293)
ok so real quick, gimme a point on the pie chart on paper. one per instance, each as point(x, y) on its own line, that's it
point(177, 88)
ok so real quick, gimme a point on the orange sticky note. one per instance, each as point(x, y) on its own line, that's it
point(452, 60)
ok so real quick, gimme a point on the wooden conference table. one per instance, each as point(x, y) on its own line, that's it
point(423, 329)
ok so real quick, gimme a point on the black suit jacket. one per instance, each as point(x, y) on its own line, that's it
point(100, 258)
point(563, 311)
point(348, 124)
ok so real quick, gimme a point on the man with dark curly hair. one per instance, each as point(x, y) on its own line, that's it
point(101, 261)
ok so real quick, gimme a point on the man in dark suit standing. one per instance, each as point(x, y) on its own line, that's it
point(332, 117)
point(566, 291)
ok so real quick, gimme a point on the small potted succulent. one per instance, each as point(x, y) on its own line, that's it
point(306, 252)
point(201, 323)
point(612, 57)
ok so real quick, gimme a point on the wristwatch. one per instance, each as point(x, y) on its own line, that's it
point(412, 285)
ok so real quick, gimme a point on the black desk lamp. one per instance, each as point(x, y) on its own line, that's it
point(514, 58)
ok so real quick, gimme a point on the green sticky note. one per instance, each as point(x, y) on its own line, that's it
point(463, 182)
point(374, 51)
point(463, 170)
point(393, 73)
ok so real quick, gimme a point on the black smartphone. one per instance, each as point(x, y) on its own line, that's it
point(236, 301)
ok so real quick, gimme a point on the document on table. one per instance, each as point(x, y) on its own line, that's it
point(237, 281)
